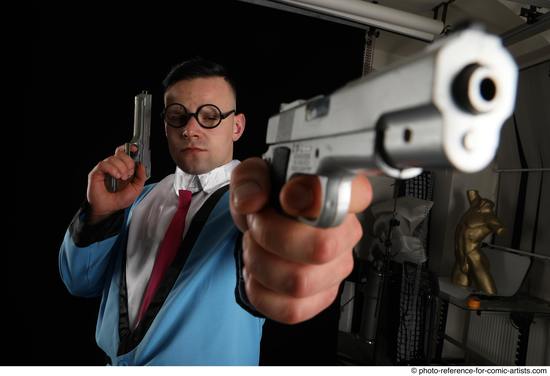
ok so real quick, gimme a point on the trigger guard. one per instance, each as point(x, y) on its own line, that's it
point(128, 150)
point(336, 196)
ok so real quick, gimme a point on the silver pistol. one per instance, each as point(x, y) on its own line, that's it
point(140, 139)
point(443, 108)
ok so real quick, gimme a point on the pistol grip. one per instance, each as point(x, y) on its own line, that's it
point(111, 184)
point(278, 171)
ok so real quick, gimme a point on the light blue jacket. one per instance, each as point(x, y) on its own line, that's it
point(200, 322)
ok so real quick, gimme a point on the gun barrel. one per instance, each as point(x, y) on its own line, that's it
point(142, 129)
point(442, 108)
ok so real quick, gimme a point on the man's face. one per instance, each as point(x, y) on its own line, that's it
point(198, 150)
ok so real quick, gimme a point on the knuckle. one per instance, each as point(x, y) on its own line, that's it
point(251, 264)
point(260, 232)
point(251, 293)
point(246, 259)
point(298, 285)
point(246, 244)
point(324, 249)
point(103, 165)
point(109, 163)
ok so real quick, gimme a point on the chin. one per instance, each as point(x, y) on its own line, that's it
point(195, 168)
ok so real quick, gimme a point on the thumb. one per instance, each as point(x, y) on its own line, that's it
point(131, 188)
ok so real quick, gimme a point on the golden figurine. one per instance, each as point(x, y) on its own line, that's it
point(471, 265)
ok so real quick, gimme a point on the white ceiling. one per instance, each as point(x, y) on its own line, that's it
point(498, 16)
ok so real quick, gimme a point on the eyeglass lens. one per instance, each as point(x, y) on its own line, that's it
point(207, 115)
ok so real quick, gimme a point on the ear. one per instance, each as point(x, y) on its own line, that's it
point(238, 126)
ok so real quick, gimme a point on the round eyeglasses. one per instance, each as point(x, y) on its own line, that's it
point(208, 115)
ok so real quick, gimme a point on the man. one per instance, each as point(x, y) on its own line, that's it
point(196, 303)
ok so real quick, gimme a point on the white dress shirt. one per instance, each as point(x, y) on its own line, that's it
point(150, 220)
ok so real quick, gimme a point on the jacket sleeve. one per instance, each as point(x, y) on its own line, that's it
point(86, 252)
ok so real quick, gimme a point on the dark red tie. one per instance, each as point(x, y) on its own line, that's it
point(167, 250)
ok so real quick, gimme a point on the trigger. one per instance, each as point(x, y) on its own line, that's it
point(336, 201)
point(128, 150)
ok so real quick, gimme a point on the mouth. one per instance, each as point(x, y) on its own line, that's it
point(192, 149)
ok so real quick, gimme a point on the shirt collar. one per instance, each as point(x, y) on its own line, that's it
point(208, 182)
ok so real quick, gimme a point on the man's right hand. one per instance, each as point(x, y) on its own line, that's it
point(121, 166)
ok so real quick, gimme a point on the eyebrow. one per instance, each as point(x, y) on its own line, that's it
point(169, 98)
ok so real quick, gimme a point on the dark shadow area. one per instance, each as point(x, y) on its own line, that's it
point(88, 62)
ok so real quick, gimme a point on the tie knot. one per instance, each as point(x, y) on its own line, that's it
point(184, 198)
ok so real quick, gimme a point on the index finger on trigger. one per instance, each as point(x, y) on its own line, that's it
point(302, 195)
point(122, 149)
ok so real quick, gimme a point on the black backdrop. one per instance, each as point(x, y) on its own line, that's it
point(89, 59)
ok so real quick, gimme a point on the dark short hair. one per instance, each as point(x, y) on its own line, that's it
point(197, 67)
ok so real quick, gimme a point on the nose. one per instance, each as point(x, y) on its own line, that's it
point(192, 128)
